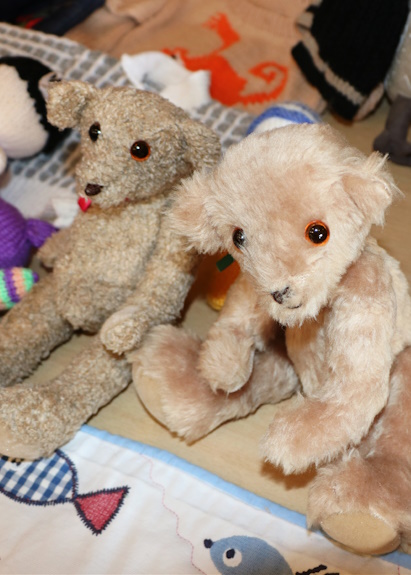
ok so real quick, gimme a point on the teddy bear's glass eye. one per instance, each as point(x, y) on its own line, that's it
point(239, 238)
point(317, 232)
point(140, 151)
point(94, 131)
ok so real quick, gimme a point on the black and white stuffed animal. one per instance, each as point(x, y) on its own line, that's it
point(24, 129)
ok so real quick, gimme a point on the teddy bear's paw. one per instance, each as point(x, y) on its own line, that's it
point(359, 503)
point(284, 443)
point(29, 425)
point(122, 332)
point(169, 385)
point(362, 532)
point(281, 450)
point(12, 446)
point(226, 363)
point(300, 436)
point(307, 432)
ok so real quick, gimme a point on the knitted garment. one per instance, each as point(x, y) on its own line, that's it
point(347, 48)
point(51, 16)
point(18, 236)
point(244, 44)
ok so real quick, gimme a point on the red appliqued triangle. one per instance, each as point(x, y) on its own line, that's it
point(98, 509)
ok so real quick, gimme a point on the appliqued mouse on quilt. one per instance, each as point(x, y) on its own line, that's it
point(118, 264)
point(320, 314)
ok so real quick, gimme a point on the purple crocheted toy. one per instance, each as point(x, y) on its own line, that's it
point(18, 237)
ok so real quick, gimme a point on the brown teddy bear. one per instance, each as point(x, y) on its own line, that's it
point(320, 312)
point(119, 252)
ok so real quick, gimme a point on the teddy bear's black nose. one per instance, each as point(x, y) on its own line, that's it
point(93, 189)
point(279, 295)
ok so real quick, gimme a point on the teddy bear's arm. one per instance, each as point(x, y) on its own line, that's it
point(227, 354)
point(159, 296)
point(54, 246)
point(359, 331)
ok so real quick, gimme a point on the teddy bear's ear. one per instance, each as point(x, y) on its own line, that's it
point(371, 187)
point(203, 145)
point(190, 215)
point(66, 101)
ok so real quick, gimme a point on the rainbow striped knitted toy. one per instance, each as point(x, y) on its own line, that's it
point(18, 238)
point(14, 284)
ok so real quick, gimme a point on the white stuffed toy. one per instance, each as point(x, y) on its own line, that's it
point(24, 129)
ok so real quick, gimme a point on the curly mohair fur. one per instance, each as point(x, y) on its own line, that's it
point(345, 311)
point(118, 262)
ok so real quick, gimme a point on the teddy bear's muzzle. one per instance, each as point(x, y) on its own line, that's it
point(93, 189)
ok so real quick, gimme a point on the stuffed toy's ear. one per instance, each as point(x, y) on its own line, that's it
point(372, 188)
point(190, 216)
point(66, 101)
point(203, 145)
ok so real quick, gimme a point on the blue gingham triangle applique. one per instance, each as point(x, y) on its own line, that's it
point(54, 481)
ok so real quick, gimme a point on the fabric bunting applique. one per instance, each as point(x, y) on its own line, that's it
point(54, 481)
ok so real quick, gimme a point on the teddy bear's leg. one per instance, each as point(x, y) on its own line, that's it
point(364, 500)
point(36, 419)
point(29, 331)
point(169, 384)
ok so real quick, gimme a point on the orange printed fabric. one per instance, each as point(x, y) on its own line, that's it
point(245, 45)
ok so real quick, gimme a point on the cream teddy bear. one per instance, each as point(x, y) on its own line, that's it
point(119, 254)
point(319, 311)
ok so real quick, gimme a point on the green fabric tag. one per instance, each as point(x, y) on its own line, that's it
point(225, 261)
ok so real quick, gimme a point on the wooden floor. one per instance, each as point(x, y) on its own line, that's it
point(232, 450)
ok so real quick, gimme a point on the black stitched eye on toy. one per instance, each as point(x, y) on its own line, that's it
point(317, 232)
point(94, 131)
point(232, 558)
point(239, 238)
point(140, 151)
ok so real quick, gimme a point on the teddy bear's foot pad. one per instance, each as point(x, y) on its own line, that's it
point(30, 426)
point(10, 446)
point(361, 532)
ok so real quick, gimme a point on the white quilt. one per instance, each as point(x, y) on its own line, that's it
point(107, 505)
